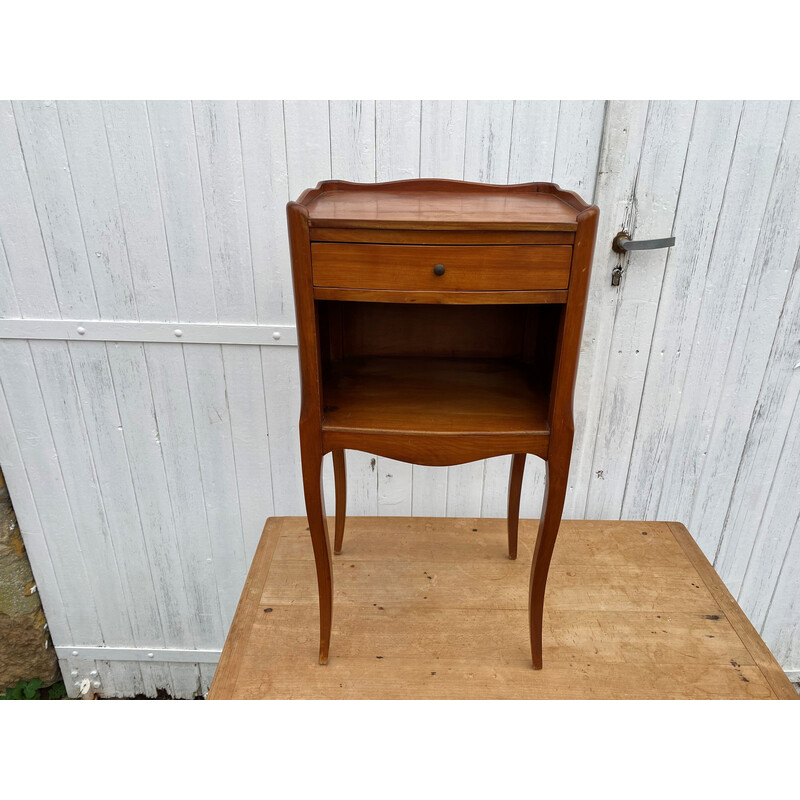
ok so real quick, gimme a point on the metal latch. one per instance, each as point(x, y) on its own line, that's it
point(623, 243)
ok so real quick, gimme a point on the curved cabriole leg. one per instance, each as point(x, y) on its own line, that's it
point(514, 494)
point(340, 482)
point(555, 491)
point(311, 456)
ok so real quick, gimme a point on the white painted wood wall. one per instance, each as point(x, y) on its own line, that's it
point(142, 471)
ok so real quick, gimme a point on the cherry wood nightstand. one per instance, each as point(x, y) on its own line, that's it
point(439, 322)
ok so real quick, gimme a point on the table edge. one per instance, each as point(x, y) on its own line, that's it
point(763, 658)
point(227, 672)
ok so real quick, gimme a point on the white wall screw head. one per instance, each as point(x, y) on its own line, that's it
point(96, 684)
point(93, 673)
point(276, 335)
point(81, 330)
point(178, 332)
point(150, 655)
point(74, 652)
point(74, 674)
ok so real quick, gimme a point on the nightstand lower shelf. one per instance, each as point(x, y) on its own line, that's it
point(466, 408)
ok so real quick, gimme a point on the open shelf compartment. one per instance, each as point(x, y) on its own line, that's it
point(433, 395)
point(437, 369)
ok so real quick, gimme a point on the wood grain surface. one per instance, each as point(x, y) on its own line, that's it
point(399, 407)
point(433, 395)
point(402, 236)
point(466, 267)
point(431, 608)
point(432, 206)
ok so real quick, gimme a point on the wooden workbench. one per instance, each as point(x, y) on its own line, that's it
point(433, 608)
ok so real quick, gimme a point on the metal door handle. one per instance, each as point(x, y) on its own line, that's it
point(623, 243)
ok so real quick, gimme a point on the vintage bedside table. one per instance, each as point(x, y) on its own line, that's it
point(439, 323)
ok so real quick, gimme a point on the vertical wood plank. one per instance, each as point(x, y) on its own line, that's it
point(494, 494)
point(308, 144)
point(24, 258)
point(22, 244)
point(79, 282)
point(74, 383)
point(781, 630)
point(769, 554)
point(181, 203)
point(99, 220)
point(9, 307)
point(774, 414)
point(705, 174)
point(488, 140)
point(163, 547)
point(104, 431)
point(394, 488)
point(37, 546)
point(267, 192)
point(136, 184)
point(28, 417)
point(219, 156)
point(281, 375)
point(736, 235)
point(206, 676)
point(429, 491)
point(174, 418)
point(577, 153)
point(137, 188)
point(48, 174)
point(443, 134)
point(533, 140)
point(238, 463)
point(210, 421)
point(352, 124)
point(657, 188)
point(176, 371)
point(93, 182)
point(619, 166)
point(762, 307)
point(465, 490)
point(397, 139)
point(203, 424)
point(244, 387)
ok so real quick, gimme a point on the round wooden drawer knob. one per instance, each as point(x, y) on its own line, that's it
point(438, 269)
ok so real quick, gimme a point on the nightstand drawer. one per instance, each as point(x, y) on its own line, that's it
point(441, 268)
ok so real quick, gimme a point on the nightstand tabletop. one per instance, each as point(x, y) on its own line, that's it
point(438, 205)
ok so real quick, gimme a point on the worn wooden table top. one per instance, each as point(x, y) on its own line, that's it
point(433, 608)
